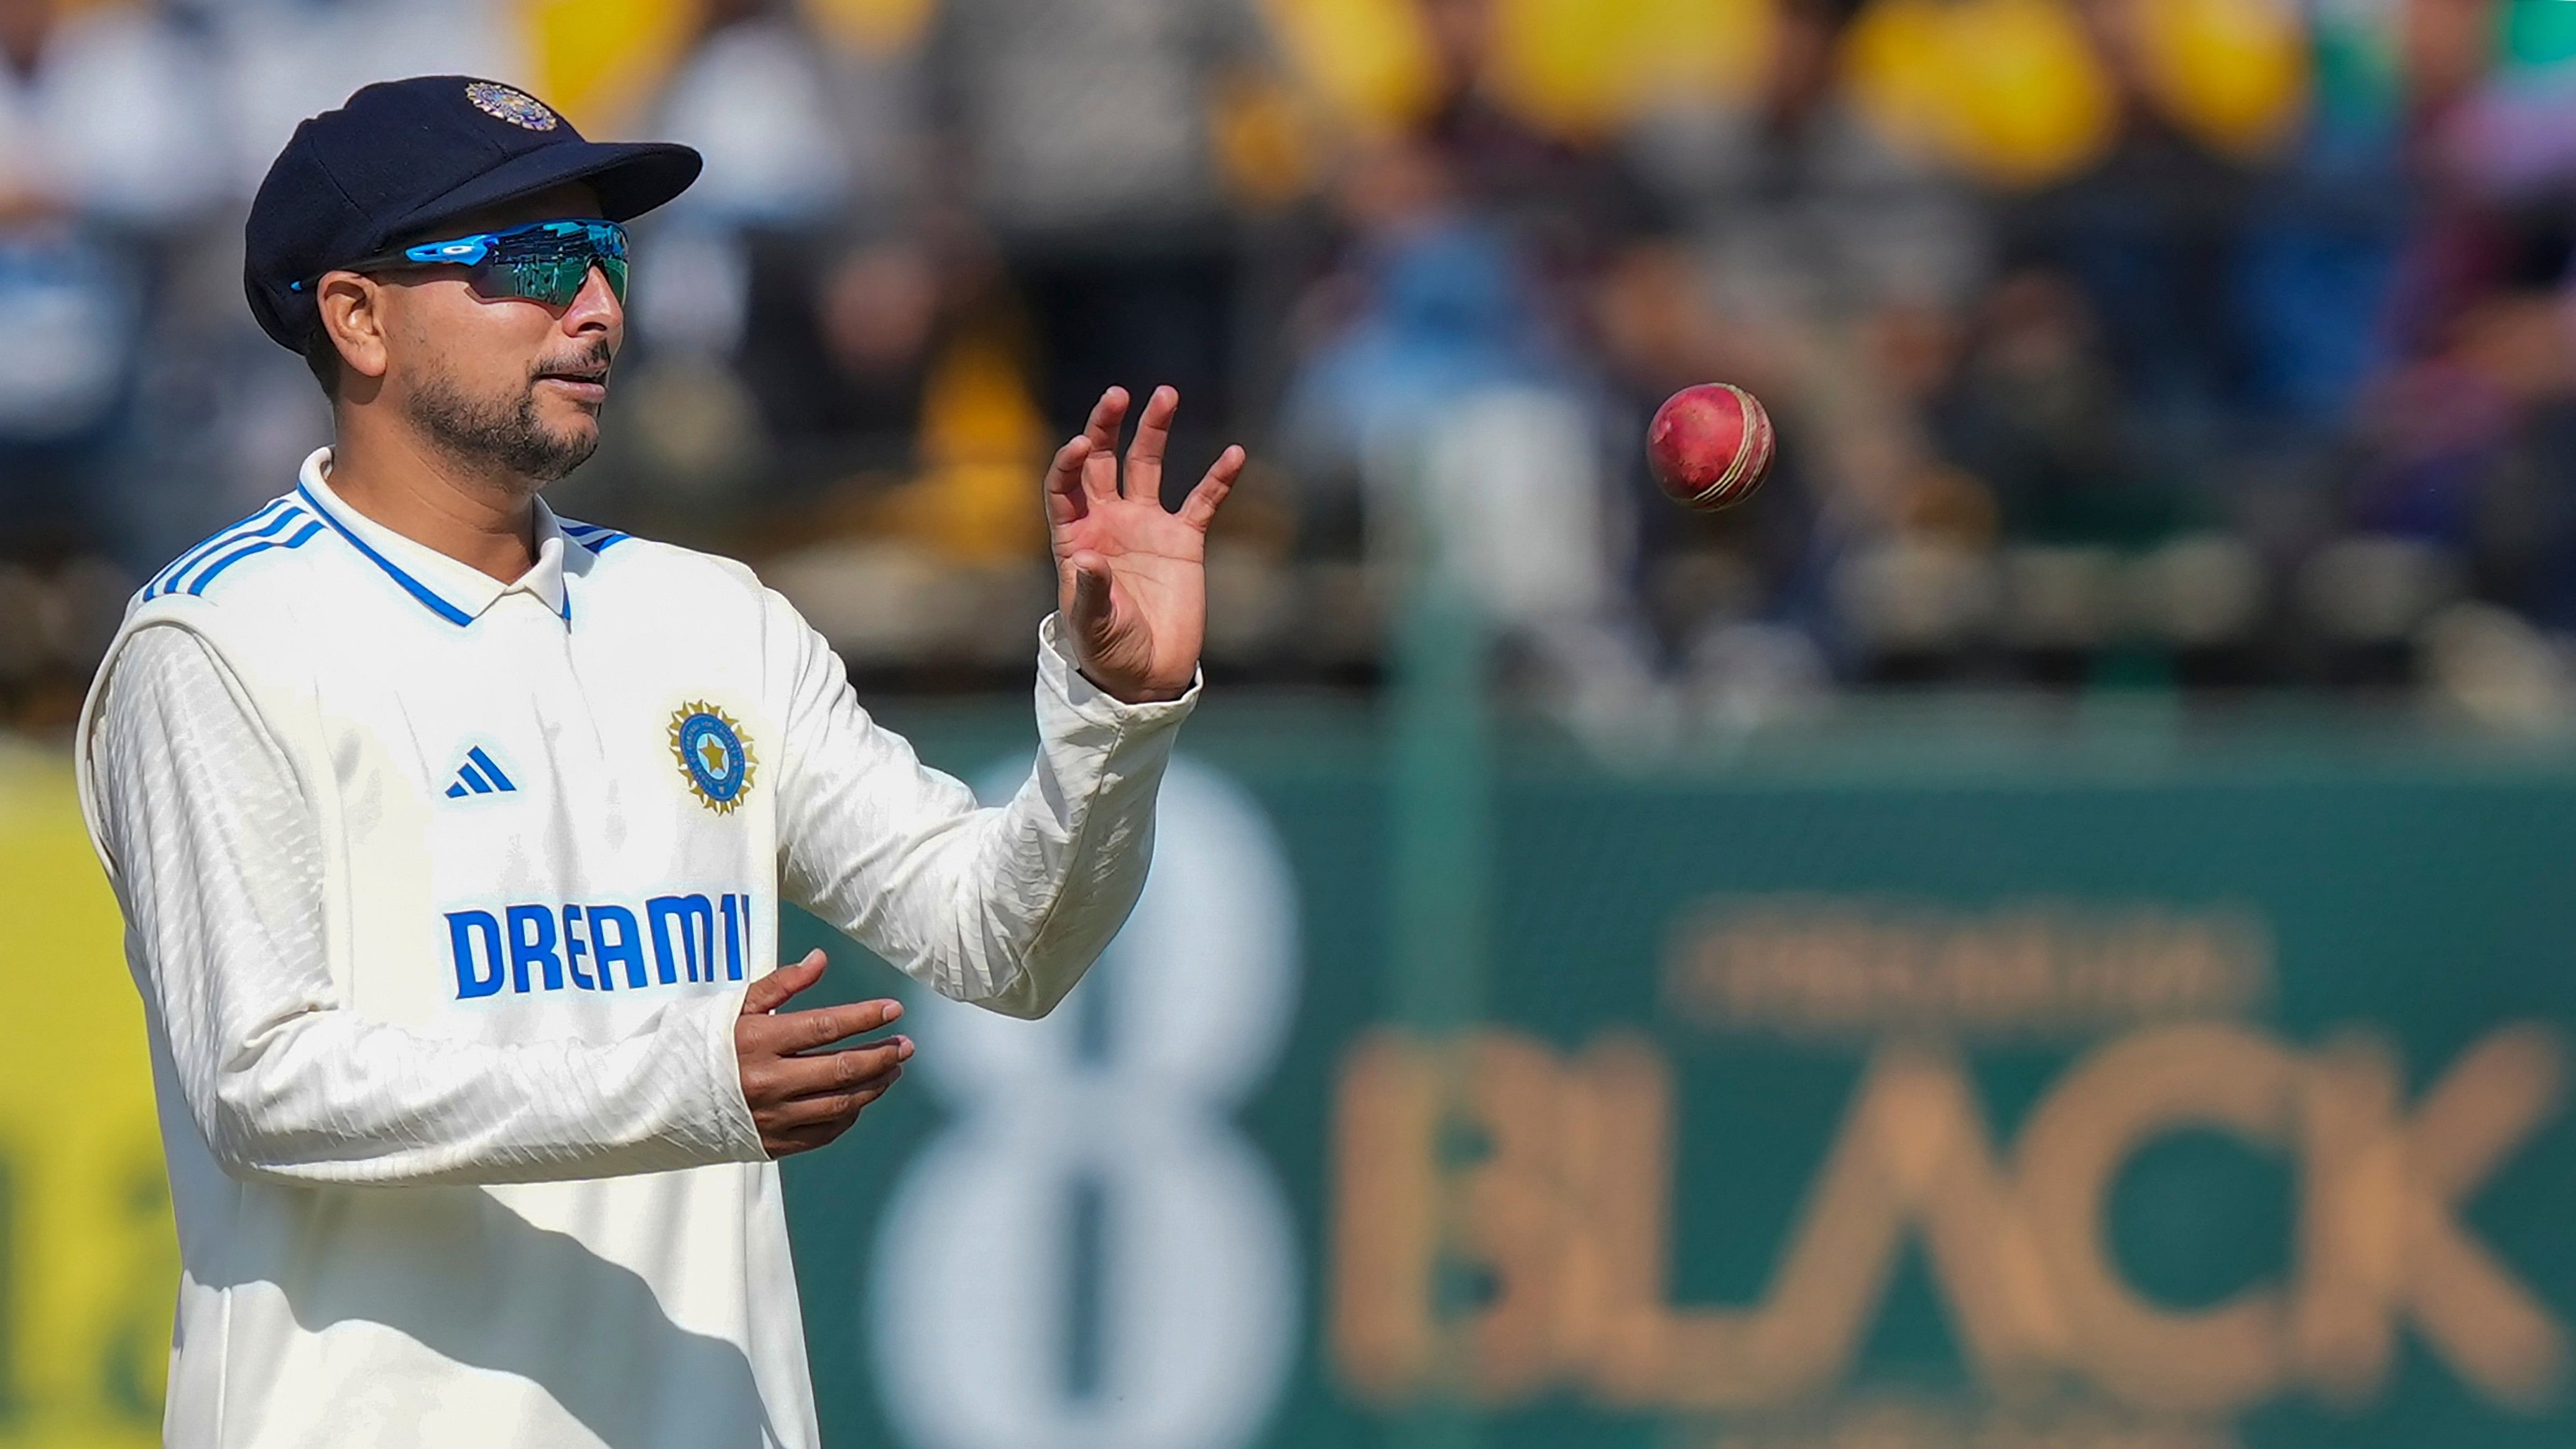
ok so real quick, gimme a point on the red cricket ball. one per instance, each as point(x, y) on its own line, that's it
point(1710, 445)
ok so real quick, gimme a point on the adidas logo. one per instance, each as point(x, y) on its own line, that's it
point(478, 776)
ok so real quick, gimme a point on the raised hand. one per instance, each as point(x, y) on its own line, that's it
point(1131, 577)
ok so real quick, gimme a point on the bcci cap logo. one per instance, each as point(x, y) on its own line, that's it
point(713, 754)
point(514, 106)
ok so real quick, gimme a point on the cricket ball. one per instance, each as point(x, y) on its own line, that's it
point(1710, 446)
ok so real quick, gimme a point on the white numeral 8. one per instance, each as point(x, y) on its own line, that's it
point(1114, 1129)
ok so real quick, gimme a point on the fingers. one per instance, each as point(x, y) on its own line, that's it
point(761, 1037)
point(1145, 455)
point(1091, 594)
point(1100, 469)
point(774, 989)
point(1106, 415)
point(824, 1108)
point(1199, 509)
point(1064, 498)
point(1093, 459)
point(825, 1073)
point(805, 1031)
point(805, 1139)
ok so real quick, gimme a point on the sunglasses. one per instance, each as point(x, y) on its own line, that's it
point(543, 261)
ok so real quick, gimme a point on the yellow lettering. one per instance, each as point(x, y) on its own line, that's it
point(1504, 1222)
point(1385, 1232)
point(2379, 1227)
point(1409, 1214)
point(2115, 1101)
point(1913, 1150)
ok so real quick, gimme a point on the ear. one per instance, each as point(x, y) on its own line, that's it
point(353, 316)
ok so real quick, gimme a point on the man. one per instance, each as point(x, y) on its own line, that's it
point(450, 837)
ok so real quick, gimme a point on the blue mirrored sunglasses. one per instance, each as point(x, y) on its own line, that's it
point(543, 261)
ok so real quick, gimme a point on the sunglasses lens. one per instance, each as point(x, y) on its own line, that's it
point(527, 279)
point(550, 264)
point(559, 280)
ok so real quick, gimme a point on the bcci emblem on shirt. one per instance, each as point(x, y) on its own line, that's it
point(714, 754)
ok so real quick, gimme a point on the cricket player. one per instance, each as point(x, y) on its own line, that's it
point(451, 836)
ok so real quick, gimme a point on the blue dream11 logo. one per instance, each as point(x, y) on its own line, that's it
point(545, 947)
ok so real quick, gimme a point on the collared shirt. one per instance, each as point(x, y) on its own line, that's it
point(460, 586)
point(442, 895)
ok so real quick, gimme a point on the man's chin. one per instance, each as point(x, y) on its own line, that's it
point(568, 432)
point(549, 448)
point(568, 449)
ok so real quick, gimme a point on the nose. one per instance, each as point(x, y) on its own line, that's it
point(595, 309)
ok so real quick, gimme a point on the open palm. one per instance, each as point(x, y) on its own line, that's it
point(1131, 576)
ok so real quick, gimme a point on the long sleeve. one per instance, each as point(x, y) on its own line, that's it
point(218, 866)
point(1003, 907)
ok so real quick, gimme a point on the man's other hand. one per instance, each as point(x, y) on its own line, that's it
point(801, 1094)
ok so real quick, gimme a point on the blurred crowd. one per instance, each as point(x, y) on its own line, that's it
point(2198, 345)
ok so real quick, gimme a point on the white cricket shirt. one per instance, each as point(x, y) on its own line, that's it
point(442, 895)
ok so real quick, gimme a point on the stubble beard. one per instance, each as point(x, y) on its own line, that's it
point(490, 435)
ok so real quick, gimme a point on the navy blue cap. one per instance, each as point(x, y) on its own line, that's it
point(402, 156)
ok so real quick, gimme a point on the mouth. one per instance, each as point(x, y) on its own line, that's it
point(583, 384)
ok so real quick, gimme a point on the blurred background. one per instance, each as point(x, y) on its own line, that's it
point(2205, 347)
point(2044, 928)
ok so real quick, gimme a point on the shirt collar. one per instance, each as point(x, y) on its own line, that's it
point(455, 591)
